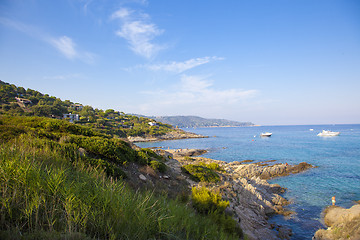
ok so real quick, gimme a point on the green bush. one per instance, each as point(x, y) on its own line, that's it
point(111, 169)
point(205, 201)
point(151, 153)
point(115, 150)
point(212, 205)
point(10, 132)
point(200, 173)
point(187, 158)
point(212, 166)
point(148, 157)
point(142, 157)
point(157, 165)
point(226, 222)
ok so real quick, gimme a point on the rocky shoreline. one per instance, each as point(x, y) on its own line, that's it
point(174, 135)
point(244, 184)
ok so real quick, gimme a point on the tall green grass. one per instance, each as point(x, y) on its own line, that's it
point(47, 194)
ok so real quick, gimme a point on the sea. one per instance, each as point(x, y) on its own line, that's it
point(337, 159)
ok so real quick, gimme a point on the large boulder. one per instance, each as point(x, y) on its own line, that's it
point(342, 224)
point(335, 214)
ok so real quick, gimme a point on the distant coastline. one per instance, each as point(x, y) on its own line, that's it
point(197, 122)
point(228, 126)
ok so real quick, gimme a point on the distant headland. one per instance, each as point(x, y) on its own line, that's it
point(195, 122)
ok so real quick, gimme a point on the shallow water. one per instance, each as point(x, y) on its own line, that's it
point(337, 158)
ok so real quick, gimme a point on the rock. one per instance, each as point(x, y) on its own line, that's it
point(335, 214)
point(267, 172)
point(82, 152)
point(279, 200)
point(323, 234)
point(276, 188)
point(176, 134)
point(186, 152)
point(284, 232)
point(148, 171)
point(142, 177)
point(342, 223)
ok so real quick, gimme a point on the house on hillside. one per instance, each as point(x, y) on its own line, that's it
point(23, 100)
point(77, 107)
point(71, 117)
point(153, 124)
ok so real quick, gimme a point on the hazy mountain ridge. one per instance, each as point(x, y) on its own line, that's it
point(195, 121)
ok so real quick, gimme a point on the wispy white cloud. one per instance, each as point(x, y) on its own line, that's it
point(195, 84)
point(122, 13)
point(179, 67)
point(196, 95)
point(138, 30)
point(65, 45)
point(173, 66)
point(21, 27)
point(201, 89)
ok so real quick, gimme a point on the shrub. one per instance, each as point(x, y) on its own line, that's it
point(10, 132)
point(205, 201)
point(142, 157)
point(226, 222)
point(187, 158)
point(111, 169)
point(212, 166)
point(200, 173)
point(115, 150)
point(151, 153)
point(156, 165)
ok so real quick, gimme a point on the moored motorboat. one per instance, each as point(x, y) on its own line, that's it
point(327, 133)
point(267, 134)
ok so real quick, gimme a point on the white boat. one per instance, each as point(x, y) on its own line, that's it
point(327, 133)
point(311, 129)
point(267, 134)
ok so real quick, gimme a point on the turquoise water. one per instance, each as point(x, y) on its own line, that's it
point(337, 158)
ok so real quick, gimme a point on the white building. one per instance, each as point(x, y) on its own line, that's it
point(71, 117)
point(153, 124)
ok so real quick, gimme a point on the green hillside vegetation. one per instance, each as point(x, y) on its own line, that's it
point(60, 180)
point(202, 172)
point(194, 121)
point(33, 103)
point(67, 138)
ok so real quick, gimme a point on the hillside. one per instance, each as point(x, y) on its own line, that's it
point(80, 178)
point(17, 101)
point(194, 121)
point(61, 180)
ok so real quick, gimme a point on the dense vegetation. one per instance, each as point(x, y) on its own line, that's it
point(18, 101)
point(193, 122)
point(202, 172)
point(60, 180)
point(96, 149)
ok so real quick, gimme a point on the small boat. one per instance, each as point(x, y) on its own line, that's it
point(267, 134)
point(327, 133)
point(311, 129)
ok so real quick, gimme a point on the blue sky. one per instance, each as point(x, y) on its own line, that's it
point(268, 62)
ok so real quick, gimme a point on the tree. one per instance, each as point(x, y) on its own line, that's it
point(88, 112)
